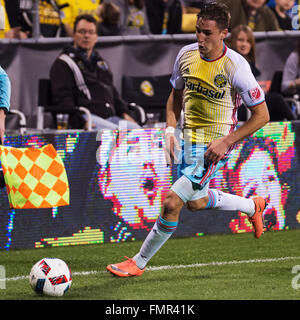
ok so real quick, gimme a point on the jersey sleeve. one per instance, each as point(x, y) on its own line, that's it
point(176, 79)
point(247, 86)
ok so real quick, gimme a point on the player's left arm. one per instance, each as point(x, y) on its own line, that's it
point(253, 97)
point(259, 117)
point(217, 148)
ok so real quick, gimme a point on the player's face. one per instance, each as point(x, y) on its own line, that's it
point(210, 38)
point(243, 45)
point(85, 36)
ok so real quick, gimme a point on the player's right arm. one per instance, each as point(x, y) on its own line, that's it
point(174, 108)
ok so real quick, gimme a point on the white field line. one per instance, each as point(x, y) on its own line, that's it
point(180, 266)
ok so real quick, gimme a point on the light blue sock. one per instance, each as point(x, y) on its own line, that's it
point(159, 234)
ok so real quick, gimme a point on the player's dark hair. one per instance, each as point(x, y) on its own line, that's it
point(86, 17)
point(216, 11)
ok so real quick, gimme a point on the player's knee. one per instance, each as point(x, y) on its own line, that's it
point(191, 206)
point(172, 206)
point(197, 204)
point(169, 205)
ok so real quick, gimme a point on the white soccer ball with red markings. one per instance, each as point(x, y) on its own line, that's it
point(51, 277)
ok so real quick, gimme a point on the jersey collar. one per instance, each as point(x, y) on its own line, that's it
point(222, 55)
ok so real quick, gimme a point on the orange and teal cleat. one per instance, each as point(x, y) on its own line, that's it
point(126, 268)
point(257, 219)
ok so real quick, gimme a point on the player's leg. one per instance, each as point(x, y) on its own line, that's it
point(216, 199)
point(181, 191)
point(163, 228)
point(219, 200)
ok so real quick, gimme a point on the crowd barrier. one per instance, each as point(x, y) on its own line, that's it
point(118, 181)
point(26, 61)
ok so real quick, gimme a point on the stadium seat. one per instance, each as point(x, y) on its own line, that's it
point(22, 122)
point(151, 92)
point(276, 87)
point(45, 105)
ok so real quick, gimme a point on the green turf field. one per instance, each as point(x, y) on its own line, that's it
point(210, 267)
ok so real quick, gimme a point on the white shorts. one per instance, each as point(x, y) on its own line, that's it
point(195, 174)
point(183, 187)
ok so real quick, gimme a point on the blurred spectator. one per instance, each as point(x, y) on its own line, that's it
point(164, 16)
point(254, 13)
point(190, 8)
point(133, 17)
point(193, 6)
point(4, 23)
point(242, 40)
point(81, 77)
point(280, 11)
point(291, 73)
point(109, 15)
point(75, 8)
point(14, 15)
point(21, 20)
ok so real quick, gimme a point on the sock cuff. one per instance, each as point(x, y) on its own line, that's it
point(166, 226)
point(212, 198)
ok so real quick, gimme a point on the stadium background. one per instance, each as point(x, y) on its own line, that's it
point(113, 200)
point(28, 61)
point(118, 181)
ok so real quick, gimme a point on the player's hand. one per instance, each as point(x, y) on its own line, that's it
point(216, 150)
point(171, 144)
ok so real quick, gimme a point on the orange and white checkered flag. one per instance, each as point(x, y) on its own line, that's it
point(34, 178)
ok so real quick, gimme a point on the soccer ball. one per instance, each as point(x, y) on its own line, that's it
point(50, 276)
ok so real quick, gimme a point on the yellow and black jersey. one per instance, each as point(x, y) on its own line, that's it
point(5, 27)
point(211, 89)
point(76, 8)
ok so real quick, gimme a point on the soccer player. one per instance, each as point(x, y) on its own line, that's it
point(206, 80)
